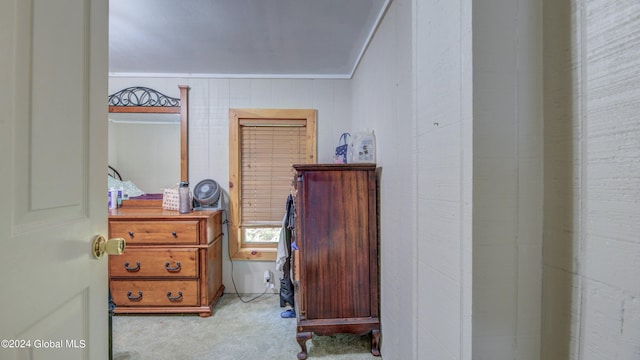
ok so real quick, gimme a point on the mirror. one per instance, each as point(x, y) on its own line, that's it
point(148, 137)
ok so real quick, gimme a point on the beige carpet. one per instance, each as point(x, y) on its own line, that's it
point(235, 331)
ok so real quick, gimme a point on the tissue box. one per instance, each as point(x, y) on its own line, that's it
point(170, 198)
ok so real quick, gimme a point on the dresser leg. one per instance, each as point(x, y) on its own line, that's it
point(375, 342)
point(302, 338)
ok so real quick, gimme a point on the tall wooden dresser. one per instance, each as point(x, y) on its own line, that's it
point(172, 262)
point(336, 264)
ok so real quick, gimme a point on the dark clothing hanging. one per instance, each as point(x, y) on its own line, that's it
point(286, 285)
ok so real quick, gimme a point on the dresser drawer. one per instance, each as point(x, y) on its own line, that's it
point(154, 292)
point(164, 262)
point(155, 232)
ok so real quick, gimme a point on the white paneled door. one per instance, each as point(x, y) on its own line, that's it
point(53, 132)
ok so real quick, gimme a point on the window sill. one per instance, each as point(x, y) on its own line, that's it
point(255, 254)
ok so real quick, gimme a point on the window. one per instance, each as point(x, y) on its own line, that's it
point(263, 144)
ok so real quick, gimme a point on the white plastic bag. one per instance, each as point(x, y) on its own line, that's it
point(362, 147)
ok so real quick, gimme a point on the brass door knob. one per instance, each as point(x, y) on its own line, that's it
point(100, 245)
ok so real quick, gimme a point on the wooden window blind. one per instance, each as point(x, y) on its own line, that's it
point(267, 153)
point(263, 144)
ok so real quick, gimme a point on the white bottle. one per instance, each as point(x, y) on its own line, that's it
point(183, 195)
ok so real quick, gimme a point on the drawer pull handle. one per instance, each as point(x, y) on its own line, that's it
point(134, 298)
point(131, 234)
point(174, 299)
point(175, 234)
point(132, 269)
point(172, 269)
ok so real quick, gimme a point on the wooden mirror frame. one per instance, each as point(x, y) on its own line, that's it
point(155, 102)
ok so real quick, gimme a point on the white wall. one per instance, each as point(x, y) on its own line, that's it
point(443, 110)
point(382, 101)
point(591, 292)
point(507, 179)
point(414, 88)
point(472, 142)
point(209, 103)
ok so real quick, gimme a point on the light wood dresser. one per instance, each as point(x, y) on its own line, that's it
point(172, 262)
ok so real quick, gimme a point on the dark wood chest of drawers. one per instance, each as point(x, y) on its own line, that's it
point(172, 262)
point(336, 266)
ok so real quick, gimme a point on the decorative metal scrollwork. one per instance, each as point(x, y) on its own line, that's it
point(142, 96)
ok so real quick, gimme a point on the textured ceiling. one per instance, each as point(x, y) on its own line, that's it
point(240, 38)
